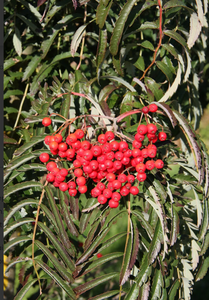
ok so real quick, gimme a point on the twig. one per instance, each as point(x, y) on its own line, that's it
point(21, 105)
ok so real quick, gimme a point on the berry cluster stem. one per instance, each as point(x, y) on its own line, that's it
point(160, 41)
point(34, 235)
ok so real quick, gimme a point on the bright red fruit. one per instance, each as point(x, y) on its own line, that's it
point(51, 165)
point(102, 199)
point(82, 189)
point(159, 164)
point(162, 136)
point(50, 177)
point(44, 157)
point(109, 135)
point(58, 138)
point(46, 121)
point(151, 128)
point(113, 204)
point(141, 177)
point(79, 133)
point(142, 129)
point(153, 107)
point(134, 190)
point(63, 186)
point(102, 139)
point(72, 192)
point(145, 110)
point(81, 180)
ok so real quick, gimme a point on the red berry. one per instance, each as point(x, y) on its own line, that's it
point(144, 153)
point(107, 193)
point(159, 164)
point(95, 192)
point(87, 169)
point(122, 178)
point(94, 164)
point(125, 161)
point(46, 121)
point(71, 138)
point(124, 191)
point(81, 180)
point(151, 136)
point(102, 139)
point(55, 171)
point(108, 164)
point(141, 176)
point(59, 177)
point(109, 135)
point(76, 146)
point(128, 185)
point(82, 189)
point(62, 154)
point(63, 186)
point(142, 129)
point(139, 137)
point(151, 128)
point(116, 196)
point(145, 110)
point(116, 184)
point(48, 139)
point(128, 153)
point(58, 138)
point(101, 186)
point(70, 153)
point(136, 144)
point(119, 155)
point(123, 146)
point(113, 204)
point(88, 155)
point(44, 157)
point(96, 150)
point(106, 148)
point(62, 147)
point(101, 159)
point(110, 155)
point(153, 107)
point(134, 190)
point(63, 172)
point(72, 185)
point(114, 145)
point(77, 163)
point(51, 165)
point(141, 168)
point(131, 178)
point(54, 152)
point(72, 192)
point(162, 136)
point(99, 255)
point(85, 145)
point(151, 152)
point(78, 172)
point(79, 133)
point(150, 164)
point(53, 146)
point(102, 199)
point(136, 152)
point(50, 177)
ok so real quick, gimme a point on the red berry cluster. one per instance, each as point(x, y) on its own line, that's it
point(114, 169)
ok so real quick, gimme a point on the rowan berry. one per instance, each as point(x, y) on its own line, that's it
point(88, 155)
point(102, 199)
point(141, 177)
point(51, 165)
point(55, 171)
point(53, 146)
point(85, 145)
point(162, 136)
point(62, 147)
point(122, 178)
point(144, 153)
point(134, 190)
point(63, 186)
point(95, 192)
point(116, 196)
point(46, 122)
point(107, 193)
point(119, 155)
point(153, 107)
point(136, 153)
point(131, 178)
point(63, 172)
point(72, 192)
point(79, 133)
point(48, 139)
point(151, 128)
point(142, 129)
point(116, 184)
point(87, 169)
point(114, 145)
point(96, 150)
point(94, 164)
point(81, 180)
point(82, 189)
point(141, 168)
point(159, 164)
point(125, 160)
point(113, 204)
point(76, 163)
point(71, 185)
point(145, 110)
point(136, 144)
point(123, 146)
point(117, 164)
point(102, 139)
point(70, 153)
point(44, 157)
point(108, 163)
point(71, 138)
point(76, 146)
point(128, 153)
point(78, 172)
point(109, 135)
point(150, 164)
point(106, 148)
point(101, 186)
point(139, 137)
point(50, 177)
point(58, 138)
point(124, 191)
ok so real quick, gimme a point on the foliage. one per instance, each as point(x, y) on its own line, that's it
point(106, 59)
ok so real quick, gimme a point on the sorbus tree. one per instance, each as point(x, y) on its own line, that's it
point(107, 155)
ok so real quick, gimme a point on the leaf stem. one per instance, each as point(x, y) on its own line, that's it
point(21, 105)
point(127, 238)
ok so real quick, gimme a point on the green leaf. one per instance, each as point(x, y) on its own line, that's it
point(125, 270)
point(92, 283)
point(133, 292)
point(65, 212)
point(34, 140)
point(144, 271)
point(111, 240)
point(154, 87)
point(20, 186)
point(205, 222)
point(120, 80)
point(16, 241)
point(102, 12)
point(62, 233)
point(17, 42)
point(25, 289)
point(147, 45)
point(77, 38)
point(105, 295)
point(46, 44)
point(106, 91)
point(66, 287)
point(32, 9)
point(171, 49)
point(139, 64)
point(65, 108)
point(11, 62)
point(146, 5)
point(119, 26)
point(58, 246)
point(31, 67)
point(175, 3)
point(203, 269)
point(59, 267)
point(155, 243)
point(157, 285)
point(17, 207)
point(169, 112)
point(101, 48)
point(32, 26)
point(8, 140)
point(16, 224)
point(10, 93)
point(174, 226)
point(144, 223)
point(176, 36)
point(173, 290)
point(165, 69)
